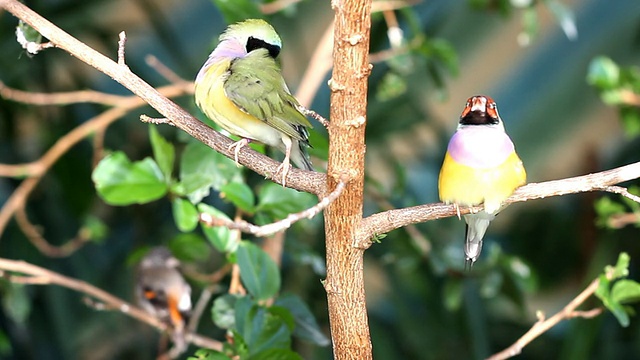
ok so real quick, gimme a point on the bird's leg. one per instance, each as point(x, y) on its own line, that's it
point(286, 163)
point(236, 146)
point(457, 210)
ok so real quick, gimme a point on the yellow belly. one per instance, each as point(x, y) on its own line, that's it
point(464, 185)
point(210, 97)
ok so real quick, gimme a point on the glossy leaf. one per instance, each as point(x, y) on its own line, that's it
point(240, 195)
point(625, 291)
point(259, 273)
point(185, 214)
point(220, 236)
point(223, 311)
point(122, 182)
point(261, 329)
point(278, 202)
point(207, 354)
point(163, 152)
point(203, 168)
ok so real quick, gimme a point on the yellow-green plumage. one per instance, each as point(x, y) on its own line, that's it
point(241, 88)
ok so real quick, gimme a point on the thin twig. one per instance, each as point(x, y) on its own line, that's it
point(169, 74)
point(121, 45)
point(44, 276)
point(313, 114)
point(622, 191)
point(36, 169)
point(61, 98)
point(277, 226)
point(619, 221)
point(36, 238)
point(156, 121)
point(543, 325)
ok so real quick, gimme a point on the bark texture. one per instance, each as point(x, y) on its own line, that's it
point(345, 276)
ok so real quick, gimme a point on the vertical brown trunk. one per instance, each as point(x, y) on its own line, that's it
point(345, 277)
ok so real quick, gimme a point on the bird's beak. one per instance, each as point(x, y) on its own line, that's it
point(479, 104)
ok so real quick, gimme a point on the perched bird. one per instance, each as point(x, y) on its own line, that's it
point(241, 88)
point(162, 291)
point(480, 166)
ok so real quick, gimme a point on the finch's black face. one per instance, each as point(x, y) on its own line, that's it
point(480, 110)
point(255, 43)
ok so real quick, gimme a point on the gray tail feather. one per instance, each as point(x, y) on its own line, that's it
point(477, 225)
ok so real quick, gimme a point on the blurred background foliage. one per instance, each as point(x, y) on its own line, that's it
point(557, 70)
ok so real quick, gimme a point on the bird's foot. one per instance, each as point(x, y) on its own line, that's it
point(284, 167)
point(236, 146)
point(457, 210)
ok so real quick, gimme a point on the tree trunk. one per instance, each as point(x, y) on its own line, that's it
point(345, 276)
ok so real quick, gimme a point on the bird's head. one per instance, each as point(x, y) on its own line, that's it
point(254, 34)
point(480, 110)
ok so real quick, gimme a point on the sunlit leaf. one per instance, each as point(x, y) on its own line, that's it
point(220, 236)
point(207, 354)
point(185, 214)
point(625, 291)
point(203, 168)
point(163, 152)
point(122, 182)
point(603, 73)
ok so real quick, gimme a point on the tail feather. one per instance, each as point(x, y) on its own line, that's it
point(477, 225)
point(299, 155)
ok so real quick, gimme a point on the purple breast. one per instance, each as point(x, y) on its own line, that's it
point(480, 146)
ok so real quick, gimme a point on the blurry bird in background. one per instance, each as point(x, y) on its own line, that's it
point(240, 87)
point(480, 166)
point(163, 292)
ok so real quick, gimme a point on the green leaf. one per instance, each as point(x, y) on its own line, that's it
point(625, 291)
point(16, 302)
point(121, 182)
point(605, 208)
point(185, 214)
point(603, 73)
point(262, 329)
point(275, 354)
point(223, 311)
point(306, 326)
point(94, 229)
point(207, 354)
point(630, 118)
point(237, 10)
point(189, 247)
point(163, 152)
point(622, 266)
point(452, 294)
point(220, 236)
point(240, 195)
point(202, 168)
point(259, 273)
point(278, 202)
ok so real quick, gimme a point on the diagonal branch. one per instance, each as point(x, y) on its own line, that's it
point(542, 325)
point(36, 275)
point(386, 221)
point(303, 180)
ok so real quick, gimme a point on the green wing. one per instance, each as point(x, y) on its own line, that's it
point(256, 86)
